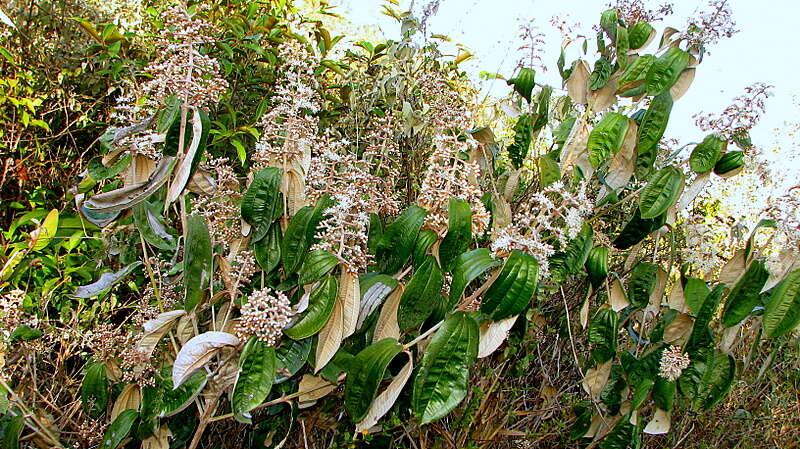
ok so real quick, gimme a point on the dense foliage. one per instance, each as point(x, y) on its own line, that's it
point(272, 226)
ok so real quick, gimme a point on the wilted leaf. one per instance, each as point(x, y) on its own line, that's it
point(156, 328)
point(131, 195)
point(493, 334)
point(197, 352)
point(313, 388)
point(596, 379)
point(578, 82)
point(660, 423)
point(679, 328)
point(129, 399)
point(616, 296)
point(103, 285)
point(387, 326)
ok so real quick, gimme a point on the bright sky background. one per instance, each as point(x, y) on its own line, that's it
point(762, 51)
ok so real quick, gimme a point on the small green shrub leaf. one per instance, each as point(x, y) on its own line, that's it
point(782, 313)
point(606, 138)
point(397, 242)
point(256, 375)
point(420, 295)
point(318, 263)
point(459, 232)
point(641, 284)
point(119, 429)
point(661, 192)
point(365, 375)
point(441, 382)
point(197, 261)
point(94, 389)
point(261, 202)
point(603, 335)
point(300, 234)
point(466, 268)
point(745, 295)
point(707, 153)
point(651, 130)
point(513, 289)
point(320, 307)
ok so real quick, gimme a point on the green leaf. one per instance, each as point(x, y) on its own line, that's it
point(99, 172)
point(425, 239)
point(261, 202)
point(637, 229)
point(442, 380)
point(168, 115)
point(256, 375)
point(365, 375)
point(320, 307)
point(606, 138)
point(745, 295)
point(664, 393)
point(665, 71)
point(623, 435)
point(608, 22)
point(600, 75)
point(782, 313)
point(641, 284)
point(513, 289)
point(24, 333)
point(300, 234)
point(622, 44)
point(523, 134)
point(524, 82)
point(103, 285)
point(695, 291)
point(729, 163)
point(574, 256)
point(13, 427)
point(398, 240)
point(708, 378)
point(45, 232)
point(634, 74)
point(119, 429)
point(420, 295)
point(651, 130)
point(152, 228)
point(701, 333)
point(706, 154)
point(466, 268)
point(661, 192)
point(549, 170)
point(640, 34)
point(197, 261)
point(174, 400)
point(597, 266)
point(94, 389)
point(291, 356)
point(459, 232)
point(318, 263)
point(268, 249)
point(603, 335)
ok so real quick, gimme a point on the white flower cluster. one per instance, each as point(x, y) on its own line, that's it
point(11, 309)
point(672, 363)
point(449, 176)
point(553, 215)
point(290, 127)
point(344, 232)
point(264, 315)
point(181, 69)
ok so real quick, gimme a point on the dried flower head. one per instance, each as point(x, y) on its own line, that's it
point(672, 363)
point(264, 315)
point(741, 116)
point(552, 216)
point(449, 176)
point(137, 366)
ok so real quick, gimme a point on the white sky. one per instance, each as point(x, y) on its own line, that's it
point(763, 51)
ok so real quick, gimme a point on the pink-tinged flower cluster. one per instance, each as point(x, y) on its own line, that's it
point(741, 116)
point(710, 26)
point(633, 11)
point(673, 362)
point(344, 232)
